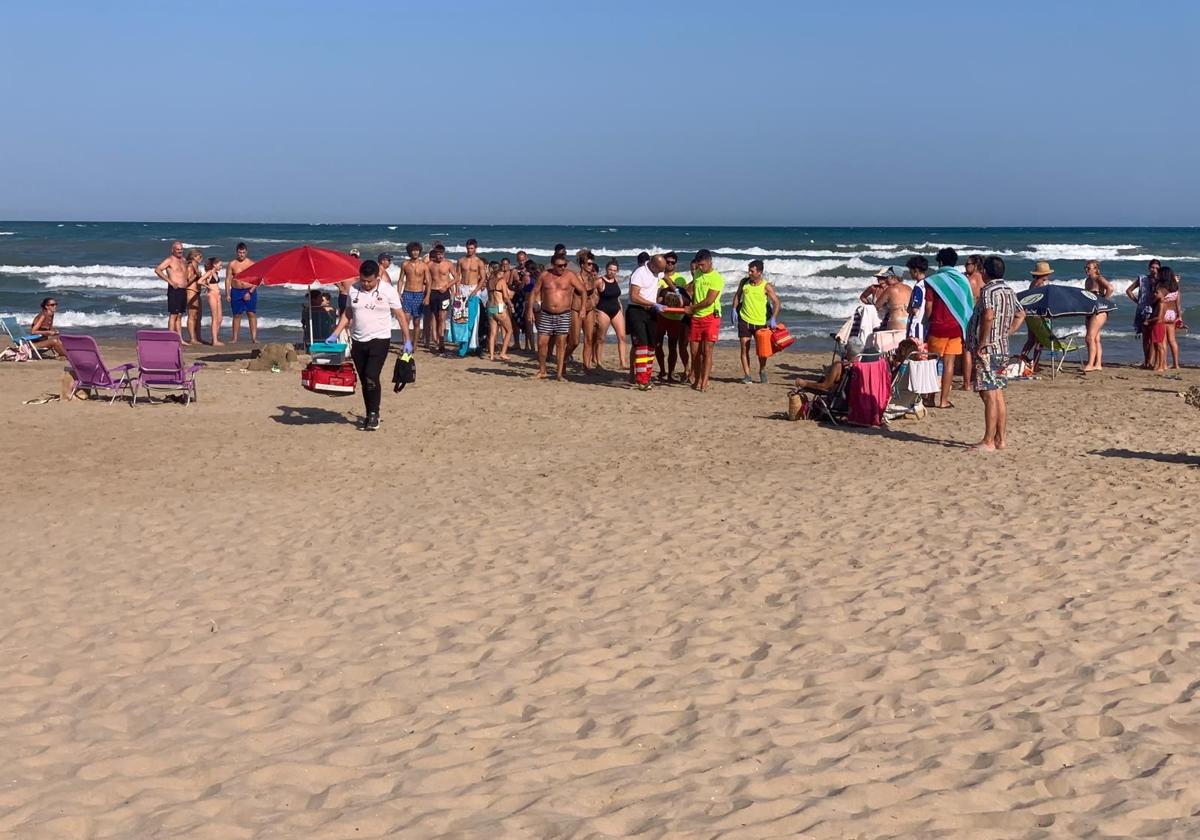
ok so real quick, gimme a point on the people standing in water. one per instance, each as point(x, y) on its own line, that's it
point(241, 296)
point(996, 317)
point(369, 314)
point(750, 301)
point(705, 292)
point(210, 281)
point(608, 313)
point(1097, 284)
point(551, 296)
point(174, 272)
point(499, 311)
point(1141, 292)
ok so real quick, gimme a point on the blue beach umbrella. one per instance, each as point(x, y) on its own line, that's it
point(1055, 301)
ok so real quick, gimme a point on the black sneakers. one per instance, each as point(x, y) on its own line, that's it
point(369, 423)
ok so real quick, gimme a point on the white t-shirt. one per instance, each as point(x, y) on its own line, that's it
point(371, 312)
point(646, 282)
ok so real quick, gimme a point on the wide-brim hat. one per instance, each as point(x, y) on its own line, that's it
point(886, 271)
point(1042, 269)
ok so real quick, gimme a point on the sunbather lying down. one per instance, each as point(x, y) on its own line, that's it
point(833, 373)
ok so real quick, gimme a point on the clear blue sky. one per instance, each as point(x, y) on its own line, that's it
point(868, 113)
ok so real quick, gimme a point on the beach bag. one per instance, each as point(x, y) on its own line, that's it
point(799, 406)
point(336, 380)
point(781, 339)
point(404, 372)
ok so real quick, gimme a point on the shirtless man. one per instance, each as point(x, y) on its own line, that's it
point(442, 278)
point(385, 268)
point(415, 296)
point(242, 296)
point(472, 271)
point(173, 272)
point(553, 291)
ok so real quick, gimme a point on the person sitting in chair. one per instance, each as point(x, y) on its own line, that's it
point(317, 315)
point(43, 328)
point(833, 374)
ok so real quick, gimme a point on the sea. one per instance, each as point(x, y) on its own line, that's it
point(102, 272)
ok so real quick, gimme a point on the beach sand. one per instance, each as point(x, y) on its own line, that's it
point(535, 609)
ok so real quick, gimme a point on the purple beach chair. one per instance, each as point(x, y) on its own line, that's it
point(90, 372)
point(160, 365)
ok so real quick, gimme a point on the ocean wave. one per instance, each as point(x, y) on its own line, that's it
point(112, 318)
point(7, 233)
point(265, 239)
point(91, 281)
point(105, 270)
point(142, 298)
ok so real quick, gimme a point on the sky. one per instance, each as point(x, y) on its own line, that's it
point(689, 113)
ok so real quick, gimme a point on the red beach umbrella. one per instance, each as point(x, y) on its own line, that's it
point(303, 266)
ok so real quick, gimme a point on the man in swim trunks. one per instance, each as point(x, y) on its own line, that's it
point(553, 292)
point(241, 296)
point(415, 296)
point(996, 317)
point(442, 278)
point(173, 272)
point(705, 291)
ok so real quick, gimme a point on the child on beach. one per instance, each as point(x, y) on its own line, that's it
point(1165, 320)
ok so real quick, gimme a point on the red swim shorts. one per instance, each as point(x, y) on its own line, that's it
point(706, 328)
point(1158, 333)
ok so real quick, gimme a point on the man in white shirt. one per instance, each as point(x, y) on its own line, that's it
point(369, 313)
point(640, 315)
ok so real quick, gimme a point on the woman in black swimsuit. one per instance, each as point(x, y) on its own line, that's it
point(210, 282)
point(608, 311)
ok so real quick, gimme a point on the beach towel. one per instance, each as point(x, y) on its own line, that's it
point(470, 330)
point(870, 390)
point(923, 377)
point(862, 323)
point(954, 289)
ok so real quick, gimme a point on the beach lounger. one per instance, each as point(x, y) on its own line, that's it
point(90, 372)
point(160, 365)
point(19, 337)
point(1059, 344)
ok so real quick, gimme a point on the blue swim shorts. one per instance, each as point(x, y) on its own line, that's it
point(413, 303)
point(239, 304)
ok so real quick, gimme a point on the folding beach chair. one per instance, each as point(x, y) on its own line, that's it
point(160, 365)
point(1042, 330)
point(90, 372)
point(20, 338)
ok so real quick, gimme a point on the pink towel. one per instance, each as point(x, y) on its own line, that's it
point(870, 387)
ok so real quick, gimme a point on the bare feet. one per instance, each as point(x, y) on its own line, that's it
point(541, 374)
point(982, 447)
point(947, 405)
point(503, 358)
point(218, 344)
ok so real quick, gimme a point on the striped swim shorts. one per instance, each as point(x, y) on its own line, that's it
point(554, 323)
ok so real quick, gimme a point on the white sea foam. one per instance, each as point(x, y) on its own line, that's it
point(7, 233)
point(92, 281)
point(113, 318)
point(266, 239)
point(142, 298)
point(106, 270)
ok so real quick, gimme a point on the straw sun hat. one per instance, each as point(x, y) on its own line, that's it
point(1042, 269)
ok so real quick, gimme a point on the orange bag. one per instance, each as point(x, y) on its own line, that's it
point(762, 343)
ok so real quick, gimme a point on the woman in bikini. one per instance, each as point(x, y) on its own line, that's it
point(608, 313)
point(43, 327)
point(210, 282)
point(499, 311)
point(1098, 285)
point(1172, 314)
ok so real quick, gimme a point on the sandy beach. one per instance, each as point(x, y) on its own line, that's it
point(497, 618)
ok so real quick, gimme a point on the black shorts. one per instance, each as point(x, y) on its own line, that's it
point(177, 301)
point(438, 302)
point(746, 330)
point(639, 324)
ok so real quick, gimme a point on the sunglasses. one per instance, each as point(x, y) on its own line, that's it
point(560, 265)
point(48, 305)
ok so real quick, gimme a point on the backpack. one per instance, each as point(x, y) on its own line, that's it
point(404, 372)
